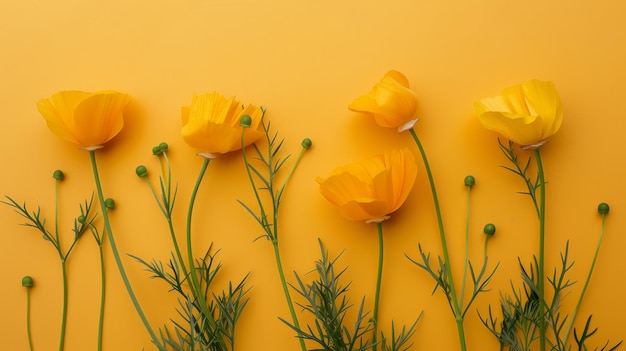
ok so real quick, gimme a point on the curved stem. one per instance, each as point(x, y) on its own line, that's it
point(116, 254)
point(582, 293)
point(541, 268)
point(64, 313)
point(102, 294)
point(455, 302)
point(285, 286)
point(195, 283)
point(28, 333)
point(379, 278)
point(271, 230)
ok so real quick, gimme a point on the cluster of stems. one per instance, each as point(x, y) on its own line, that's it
point(443, 275)
point(267, 217)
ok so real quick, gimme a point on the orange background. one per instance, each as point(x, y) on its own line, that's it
point(306, 61)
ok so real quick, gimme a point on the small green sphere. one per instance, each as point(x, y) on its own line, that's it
point(307, 143)
point(81, 219)
point(141, 171)
point(470, 181)
point(159, 149)
point(489, 229)
point(109, 203)
point(245, 121)
point(27, 281)
point(58, 175)
point(603, 208)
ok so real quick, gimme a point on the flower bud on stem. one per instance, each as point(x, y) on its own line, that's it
point(28, 283)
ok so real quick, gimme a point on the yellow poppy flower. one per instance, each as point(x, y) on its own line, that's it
point(391, 102)
point(373, 189)
point(527, 114)
point(211, 124)
point(86, 119)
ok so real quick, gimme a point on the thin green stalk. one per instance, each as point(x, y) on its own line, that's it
point(102, 293)
point(379, 278)
point(291, 171)
point(485, 248)
point(116, 254)
point(582, 293)
point(541, 268)
point(195, 283)
point(64, 313)
point(283, 281)
point(455, 302)
point(466, 263)
point(168, 207)
point(28, 333)
point(272, 230)
point(158, 200)
point(63, 264)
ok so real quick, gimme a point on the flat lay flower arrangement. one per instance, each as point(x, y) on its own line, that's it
point(323, 312)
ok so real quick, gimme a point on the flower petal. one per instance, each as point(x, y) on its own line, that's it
point(371, 189)
point(523, 130)
point(546, 102)
point(99, 118)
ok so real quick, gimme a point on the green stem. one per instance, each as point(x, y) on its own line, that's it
point(582, 294)
point(541, 268)
point(283, 282)
point(28, 333)
point(379, 278)
point(116, 254)
point(195, 283)
point(291, 171)
point(272, 230)
point(102, 293)
point(64, 313)
point(458, 316)
point(466, 263)
point(485, 248)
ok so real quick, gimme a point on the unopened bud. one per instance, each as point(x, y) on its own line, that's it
point(245, 121)
point(109, 203)
point(603, 208)
point(58, 175)
point(470, 181)
point(27, 281)
point(307, 143)
point(141, 171)
point(489, 229)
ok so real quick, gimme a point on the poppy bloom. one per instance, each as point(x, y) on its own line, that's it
point(211, 124)
point(527, 114)
point(372, 189)
point(86, 119)
point(391, 102)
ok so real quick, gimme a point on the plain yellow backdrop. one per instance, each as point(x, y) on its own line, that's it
point(306, 61)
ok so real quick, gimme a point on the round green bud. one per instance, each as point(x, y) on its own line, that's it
point(27, 281)
point(603, 208)
point(307, 143)
point(470, 181)
point(58, 175)
point(141, 171)
point(109, 203)
point(245, 121)
point(81, 219)
point(159, 149)
point(489, 229)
